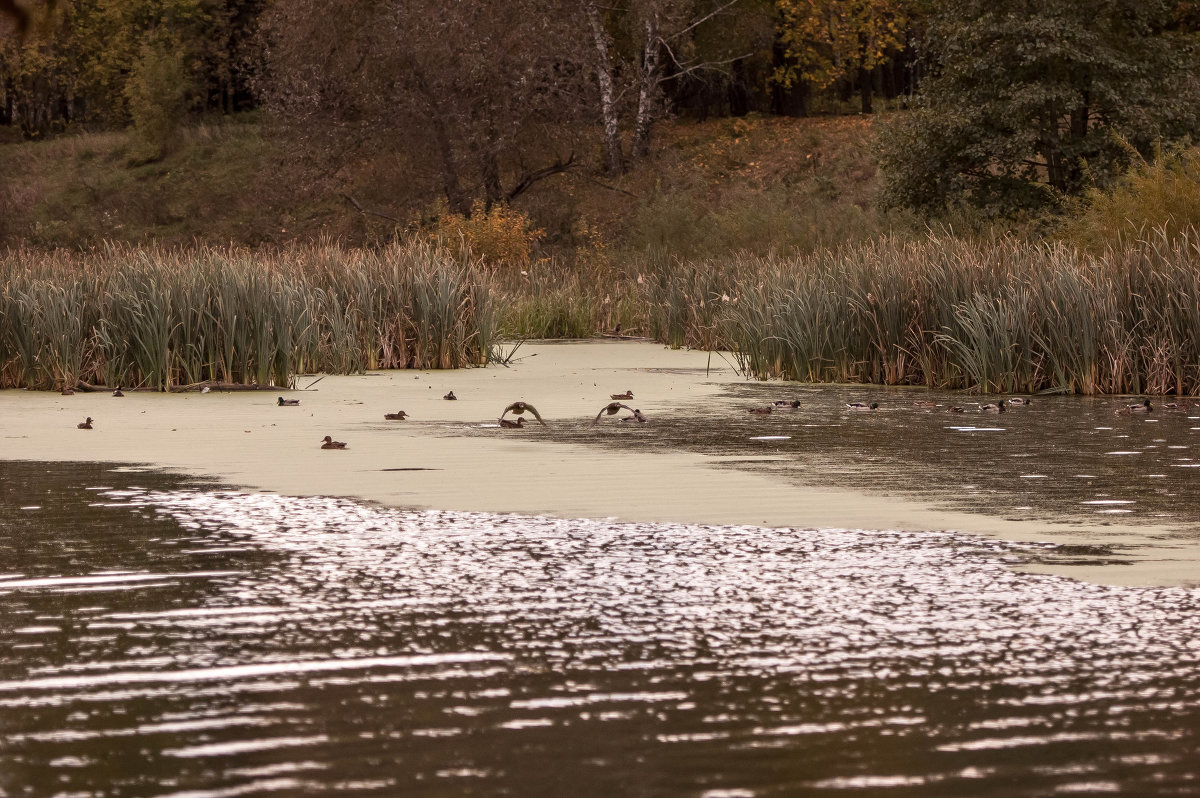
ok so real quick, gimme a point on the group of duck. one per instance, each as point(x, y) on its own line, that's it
point(1001, 406)
point(518, 410)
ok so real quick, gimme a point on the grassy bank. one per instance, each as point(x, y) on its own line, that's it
point(162, 318)
point(758, 184)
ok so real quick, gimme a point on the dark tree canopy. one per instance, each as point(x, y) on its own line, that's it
point(1032, 101)
point(463, 93)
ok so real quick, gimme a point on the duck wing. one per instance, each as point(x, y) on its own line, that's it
point(611, 409)
point(519, 408)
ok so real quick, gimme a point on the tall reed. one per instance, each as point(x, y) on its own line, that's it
point(994, 316)
point(167, 317)
point(990, 315)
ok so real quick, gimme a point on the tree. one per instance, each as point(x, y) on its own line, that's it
point(157, 92)
point(602, 47)
point(471, 96)
point(1032, 101)
point(76, 66)
point(656, 45)
point(830, 40)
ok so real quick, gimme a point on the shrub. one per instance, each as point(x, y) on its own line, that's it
point(1162, 194)
point(498, 235)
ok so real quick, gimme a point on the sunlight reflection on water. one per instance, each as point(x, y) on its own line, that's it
point(253, 642)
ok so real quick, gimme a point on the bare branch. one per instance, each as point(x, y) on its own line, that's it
point(611, 188)
point(702, 20)
point(366, 212)
point(713, 65)
point(529, 178)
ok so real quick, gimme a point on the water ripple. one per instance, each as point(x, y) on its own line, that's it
point(309, 645)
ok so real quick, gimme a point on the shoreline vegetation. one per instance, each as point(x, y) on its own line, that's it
point(986, 315)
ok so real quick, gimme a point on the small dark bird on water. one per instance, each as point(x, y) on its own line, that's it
point(637, 416)
point(862, 406)
point(618, 396)
point(450, 397)
point(396, 416)
point(288, 402)
point(118, 391)
point(330, 443)
point(519, 409)
point(509, 424)
point(787, 404)
point(85, 424)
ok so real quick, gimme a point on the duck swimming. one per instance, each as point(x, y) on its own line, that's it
point(396, 416)
point(862, 406)
point(85, 424)
point(637, 416)
point(998, 407)
point(510, 424)
point(956, 409)
point(519, 408)
point(627, 395)
point(288, 402)
point(118, 391)
point(1018, 401)
point(786, 404)
point(1144, 407)
point(450, 397)
point(330, 443)
point(761, 411)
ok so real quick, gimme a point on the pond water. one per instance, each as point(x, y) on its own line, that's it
point(167, 637)
point(1063, 460)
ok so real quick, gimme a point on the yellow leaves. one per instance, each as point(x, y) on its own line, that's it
point(831, 39)
point(499, 235)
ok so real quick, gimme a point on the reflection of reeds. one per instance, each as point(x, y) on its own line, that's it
point(162, 318)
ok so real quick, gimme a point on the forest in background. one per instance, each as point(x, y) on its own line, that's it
point(992, 196)
point(481, 116)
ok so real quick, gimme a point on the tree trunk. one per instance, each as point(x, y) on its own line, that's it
point(648, 94)
point(738, 92)
point(613, 156)
point(489, 168)
point(456, 198)
point(864, 88)
point(1079, 118)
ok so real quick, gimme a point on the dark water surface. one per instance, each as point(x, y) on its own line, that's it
point(162, 637)
point(1063, 460)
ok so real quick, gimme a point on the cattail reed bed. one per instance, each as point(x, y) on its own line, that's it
point(998, 316)
point(163, 318)
point(990, 316)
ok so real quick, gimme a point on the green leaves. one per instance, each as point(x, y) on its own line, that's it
point(1030, 104)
